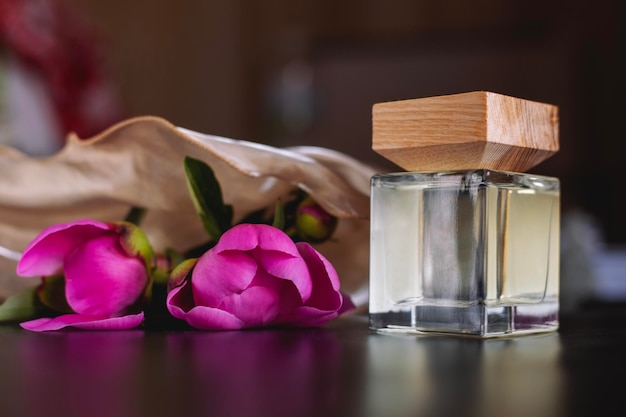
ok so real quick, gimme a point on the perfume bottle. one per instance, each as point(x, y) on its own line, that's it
point(465, 241)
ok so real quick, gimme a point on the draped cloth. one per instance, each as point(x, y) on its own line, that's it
point(139, 162)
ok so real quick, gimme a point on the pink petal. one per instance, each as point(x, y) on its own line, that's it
point(45, 254)
point(180, 300)
point(246, 237)
point(325, 294)
point(347, 304)
point(219, 274)
point(180, 305)
point(207, 318)
point(273, 249)
point(308, 317)
point(288, 267)
point(255, 307)
point(101, 280)
point(326, 301)
point(82, 321)
point(129, 321)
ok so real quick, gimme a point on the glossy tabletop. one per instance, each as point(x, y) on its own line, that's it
point(341, 369)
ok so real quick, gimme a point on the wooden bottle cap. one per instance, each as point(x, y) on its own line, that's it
point(465, 131)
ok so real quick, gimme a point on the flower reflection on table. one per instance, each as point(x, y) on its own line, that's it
point(258, 372)
point(255, 372)
point(89, 373)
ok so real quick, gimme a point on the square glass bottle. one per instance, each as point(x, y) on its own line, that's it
point(472, 252)
point(464, 241)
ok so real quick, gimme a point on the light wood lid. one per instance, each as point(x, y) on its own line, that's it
point(465, 131)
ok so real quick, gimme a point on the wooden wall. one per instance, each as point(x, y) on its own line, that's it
point(290, 72)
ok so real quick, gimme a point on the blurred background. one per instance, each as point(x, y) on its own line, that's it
point(307, 72)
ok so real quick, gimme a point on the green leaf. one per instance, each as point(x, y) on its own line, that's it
point(51, 293)
point(279, 215)
point(21, 306)
point(207, 198)
point(135, 215)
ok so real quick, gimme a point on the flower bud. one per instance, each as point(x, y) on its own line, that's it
point(95, 272)
point(224, 289)
point(134, 242)
point(313, 223)
point(180, 272)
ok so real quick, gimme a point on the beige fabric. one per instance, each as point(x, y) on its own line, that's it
point(139, 162)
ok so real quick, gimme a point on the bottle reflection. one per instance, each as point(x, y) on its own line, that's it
point(426, 376)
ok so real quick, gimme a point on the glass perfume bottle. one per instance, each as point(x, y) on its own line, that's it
point(464, 242)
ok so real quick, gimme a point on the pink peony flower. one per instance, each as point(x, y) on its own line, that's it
point(257, 276)
point(105, 271)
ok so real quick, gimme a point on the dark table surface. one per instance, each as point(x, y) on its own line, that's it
point(341, 369)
